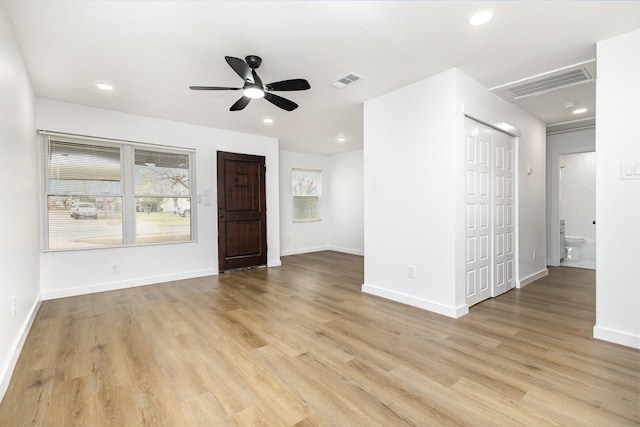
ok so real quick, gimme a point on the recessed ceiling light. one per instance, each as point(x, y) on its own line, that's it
point(341, 139)
point(481, 18)
point(579, 110)
point(267, 121)
point(104, 86)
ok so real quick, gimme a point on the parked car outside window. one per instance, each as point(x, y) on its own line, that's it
point(84, 210)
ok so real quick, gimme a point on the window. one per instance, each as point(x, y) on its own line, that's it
point(163, 205)
point(306, 188)
point(109, 193)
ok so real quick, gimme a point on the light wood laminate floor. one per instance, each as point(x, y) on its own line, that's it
point(301, 345)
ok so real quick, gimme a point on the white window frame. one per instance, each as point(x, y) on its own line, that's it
point(317, 194)
point(127, 187)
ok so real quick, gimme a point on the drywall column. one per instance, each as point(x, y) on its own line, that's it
point(409, 205)
point(618, 199)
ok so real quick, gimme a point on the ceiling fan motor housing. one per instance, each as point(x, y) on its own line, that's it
point(253, 61)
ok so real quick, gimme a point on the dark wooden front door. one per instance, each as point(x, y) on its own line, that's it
point(242, 211)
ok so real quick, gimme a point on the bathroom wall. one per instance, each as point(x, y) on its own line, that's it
point(572, 142)
point(578, 197)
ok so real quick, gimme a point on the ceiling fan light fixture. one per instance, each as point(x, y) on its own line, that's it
point(253, 92)
point(253, 87)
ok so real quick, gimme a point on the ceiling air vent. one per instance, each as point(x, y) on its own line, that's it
point(345, 80)
point(583, 72)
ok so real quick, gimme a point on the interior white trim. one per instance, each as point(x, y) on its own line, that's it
point(6, 371)
point(531, 278)
point(617, 337)
point(112, 286)
point(320, 249)
point(424, 304)
point(481, 116)
point(304, 250)
point(347, 250)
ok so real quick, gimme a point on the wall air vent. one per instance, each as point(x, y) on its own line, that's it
point(345, 80)
point(583, 72)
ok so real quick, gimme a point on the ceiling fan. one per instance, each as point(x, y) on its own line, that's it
point(254, 88)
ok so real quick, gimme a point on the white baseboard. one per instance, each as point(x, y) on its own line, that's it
point(616, 337)
point(320, 249)
point(359, 252)
point(9, 366)
point(274, 263)
point(112, 286)
point(532, 278)
point(424, 304)
point(304, 250)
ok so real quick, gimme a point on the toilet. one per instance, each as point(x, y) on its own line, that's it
point(572, 247)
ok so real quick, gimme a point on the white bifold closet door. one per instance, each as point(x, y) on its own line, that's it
point(489, 228)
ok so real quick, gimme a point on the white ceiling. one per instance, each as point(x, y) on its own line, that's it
point(151, 51)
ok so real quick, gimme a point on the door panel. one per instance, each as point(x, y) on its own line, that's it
point(503, 202)
point(489, 218)
point(242, 226)
point(477, 216)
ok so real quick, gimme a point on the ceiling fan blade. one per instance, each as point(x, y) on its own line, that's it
point(281, 102)
point(288, 85)
point(213, 88)
point(240, 67)
point(256, 79)
point(240, 104)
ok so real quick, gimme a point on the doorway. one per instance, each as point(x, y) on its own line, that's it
point(578, 207)
point(242, 211)
point(490, 212)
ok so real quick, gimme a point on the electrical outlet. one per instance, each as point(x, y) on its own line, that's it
point(535, 254)
point(411, 272)
point(115, 269)
point(13, 306)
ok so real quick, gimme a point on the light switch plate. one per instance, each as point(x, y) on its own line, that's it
point(630, 171)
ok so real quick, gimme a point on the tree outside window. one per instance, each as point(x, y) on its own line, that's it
point(306, 189)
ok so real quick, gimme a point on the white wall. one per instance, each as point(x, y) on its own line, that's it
point(341, 206)
point(414, 192)
point(409, 214)
point(618, 201)
point(347, 202)
point(76, 272)
point(19, 238)
point(578, 141)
